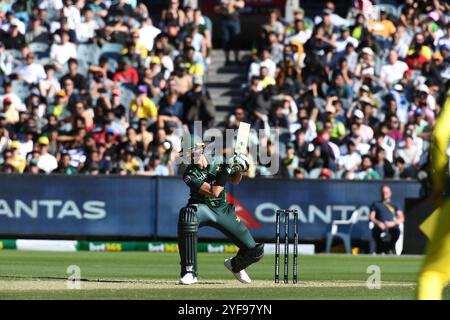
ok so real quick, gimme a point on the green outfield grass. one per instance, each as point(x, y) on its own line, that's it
point(140, 275)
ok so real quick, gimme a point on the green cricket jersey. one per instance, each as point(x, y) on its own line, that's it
point(195, 176)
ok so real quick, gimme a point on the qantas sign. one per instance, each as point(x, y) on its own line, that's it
point(265, 213)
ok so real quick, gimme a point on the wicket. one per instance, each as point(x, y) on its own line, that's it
point(286, 213)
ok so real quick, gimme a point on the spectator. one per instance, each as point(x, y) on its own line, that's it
point(339, 88)
point(381, 165)
point(274, 25)
point(31, 72)
point(36, 32)
point(147, 33)
point(276, 48)
point(418, 54)
point(88, 26)
point(79, 81)
point(18, 162)
point(264, 61)
point(13, 38)
point(49, 86)
point(142, 107)
point(143, 135)
point(367, 172)
point(334, 123)
point(300, 34)
point(365, 68)
point(60, 53)
point(383, 28)
point(394, 70)
point(192, 62)
point(9, 112)
point(182, 81)
point(351, 161)
point(230, 26)
point(154, 167)
point(65, 166)
point(121, 7)
point(359, 30)
point(345, 39)
point(198, 105)
point(46, 162)
point(126, 73)
point(325, 174)
point(365, 131)
point(386, 218)
point(409, 152)
point(15, 99)
point(171, 109)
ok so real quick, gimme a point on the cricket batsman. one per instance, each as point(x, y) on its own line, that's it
point(206, 177)
point(435, 272)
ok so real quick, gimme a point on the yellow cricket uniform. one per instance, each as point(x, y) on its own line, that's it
point(435, 272)
point(147, 109)
point(267, 81)
point(195, 69)
point(143, 52)
point(19, 164)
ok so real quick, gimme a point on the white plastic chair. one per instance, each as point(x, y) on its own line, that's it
point(342, 229)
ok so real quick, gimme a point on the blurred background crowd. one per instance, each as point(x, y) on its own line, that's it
point(99, 87)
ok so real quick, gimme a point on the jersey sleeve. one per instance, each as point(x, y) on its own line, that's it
point(439, 145)
point(192, 182)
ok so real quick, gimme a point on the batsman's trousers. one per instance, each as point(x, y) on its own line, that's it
point(225, 220)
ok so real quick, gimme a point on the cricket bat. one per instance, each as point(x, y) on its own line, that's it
point(242, 138)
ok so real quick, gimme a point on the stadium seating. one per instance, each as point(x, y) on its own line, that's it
point(112, 51)
point(41, 50)
point(16, 54)
point(20, 88)
point(89, 53)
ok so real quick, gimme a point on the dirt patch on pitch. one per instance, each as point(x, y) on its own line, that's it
point(38, 284)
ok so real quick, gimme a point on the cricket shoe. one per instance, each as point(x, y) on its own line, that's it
point(242, 276)
point(188, 279)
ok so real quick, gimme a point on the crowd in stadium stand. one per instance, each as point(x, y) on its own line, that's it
point(95, 87)
point(98, 87)
point(356, 96)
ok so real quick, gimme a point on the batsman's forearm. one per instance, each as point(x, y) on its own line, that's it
point(216, 190)
point(210, 190)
